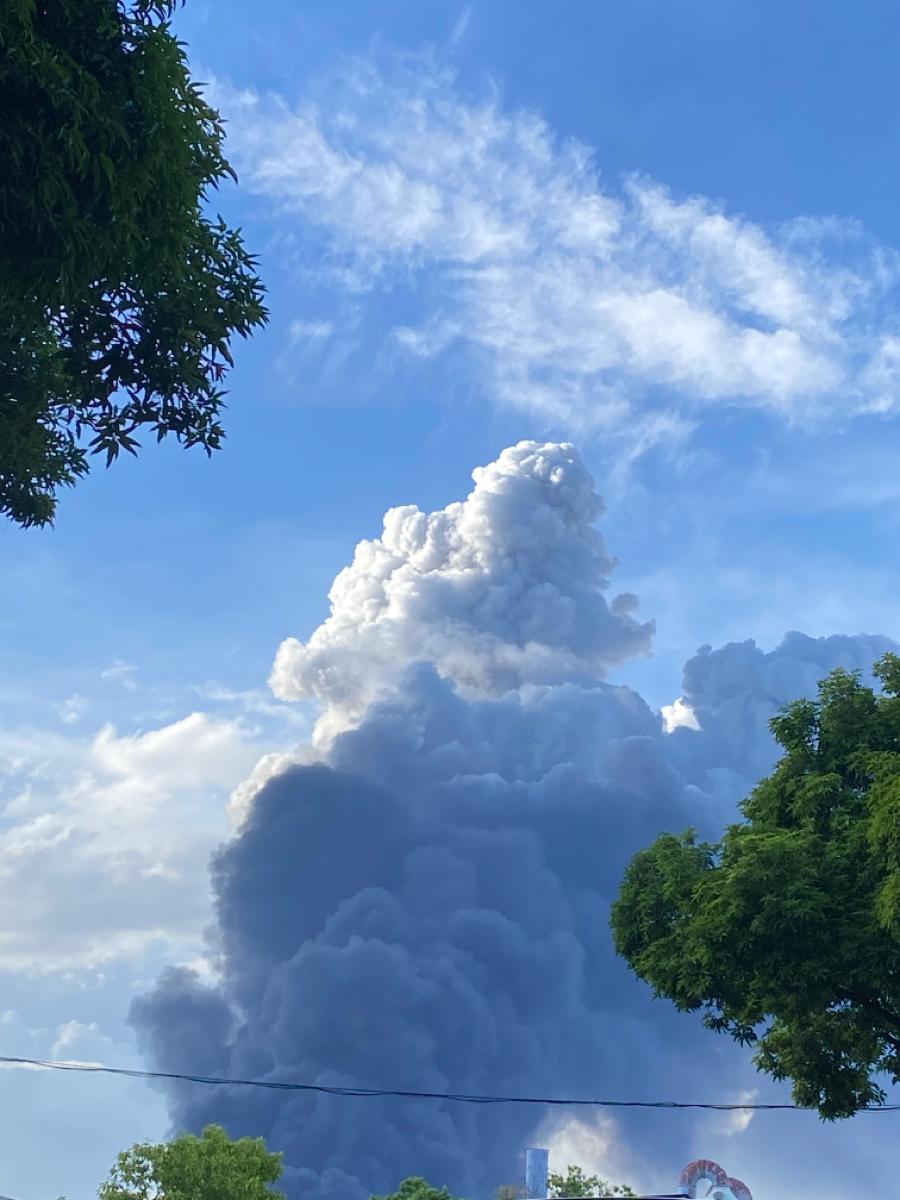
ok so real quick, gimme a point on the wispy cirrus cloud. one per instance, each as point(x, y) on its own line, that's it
point(622, 309)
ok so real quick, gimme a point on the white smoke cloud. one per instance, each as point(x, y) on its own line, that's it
point(502, 589)
point(624, 310)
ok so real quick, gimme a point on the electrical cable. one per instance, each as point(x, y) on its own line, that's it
point(455, 1097)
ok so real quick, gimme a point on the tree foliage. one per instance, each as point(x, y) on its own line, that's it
point(209, 1167)
point(118, 295)
point(786, 932)
point(576, 1183)
point(415, 1188)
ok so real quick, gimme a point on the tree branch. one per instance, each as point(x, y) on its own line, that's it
point(883, 1014)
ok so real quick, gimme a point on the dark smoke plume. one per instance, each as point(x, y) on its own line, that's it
point(423, 903)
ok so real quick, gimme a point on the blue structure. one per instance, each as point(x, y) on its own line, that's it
point(537, 1165)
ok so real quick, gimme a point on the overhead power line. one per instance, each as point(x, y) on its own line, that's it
point(368, 1093)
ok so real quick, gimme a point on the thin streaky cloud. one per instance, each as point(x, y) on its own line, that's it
point(461, 25)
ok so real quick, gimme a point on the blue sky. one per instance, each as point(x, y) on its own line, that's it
point(665, 231)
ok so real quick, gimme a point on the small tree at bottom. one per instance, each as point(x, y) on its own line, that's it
point(209, 1167)
point(576, 1183)
point(415, 1188)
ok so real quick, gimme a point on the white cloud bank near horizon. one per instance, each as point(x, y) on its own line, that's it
point(105, 839)
point(626, 310)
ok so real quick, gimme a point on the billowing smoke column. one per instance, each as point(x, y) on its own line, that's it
point(501, 590)
point(421, 903)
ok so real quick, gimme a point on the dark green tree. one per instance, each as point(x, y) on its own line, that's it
point(415, 1188)
point(576, 1183)
point(118, 294)
point(786, 932)
point(209, 1167)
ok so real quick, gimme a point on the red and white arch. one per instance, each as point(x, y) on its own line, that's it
point(724, 1187)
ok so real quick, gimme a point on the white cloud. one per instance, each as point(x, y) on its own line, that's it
point(72, 710)
point(678, 714)
point(86, 1118)
point(597, 1145)
point(310, 331)
point(121, 672)
point(738, 1119)
point(461, 25)
point(104, 841)
point(502, 589)
point(625, 310)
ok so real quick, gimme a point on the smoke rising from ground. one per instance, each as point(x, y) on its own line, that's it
point(423, 903)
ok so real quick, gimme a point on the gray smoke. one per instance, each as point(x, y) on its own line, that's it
point(426, 907)
point(733, 692)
